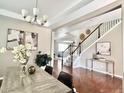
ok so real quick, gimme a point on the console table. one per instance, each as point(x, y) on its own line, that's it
point(40, 82)
point(102, 61)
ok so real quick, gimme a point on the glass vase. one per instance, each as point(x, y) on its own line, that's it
point(23, 70)
point(23, 73)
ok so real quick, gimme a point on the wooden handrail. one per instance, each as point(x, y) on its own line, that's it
point(86, 38)
point(69, 47)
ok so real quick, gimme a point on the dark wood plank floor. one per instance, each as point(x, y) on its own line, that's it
point(86, 81)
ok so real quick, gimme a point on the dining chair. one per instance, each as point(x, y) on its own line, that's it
point(49, 69)
point(1, 83)
point(66, 79)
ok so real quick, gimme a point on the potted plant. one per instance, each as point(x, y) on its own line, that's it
point(42, 59)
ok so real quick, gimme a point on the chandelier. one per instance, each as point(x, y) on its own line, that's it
point(34, 19)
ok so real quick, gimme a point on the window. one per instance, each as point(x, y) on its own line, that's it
point(62, 47)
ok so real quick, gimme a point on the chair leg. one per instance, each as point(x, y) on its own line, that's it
point(74, 90)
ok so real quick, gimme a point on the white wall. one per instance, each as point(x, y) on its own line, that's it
point(52, 49)
point(115, 38)
point(122, 12)
point(44, 39)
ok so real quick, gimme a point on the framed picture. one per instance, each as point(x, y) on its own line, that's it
point(17, 37)
point(31, 38)
point(14, 38)
point(103, 48)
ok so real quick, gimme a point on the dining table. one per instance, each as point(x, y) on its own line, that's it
point(39, 82)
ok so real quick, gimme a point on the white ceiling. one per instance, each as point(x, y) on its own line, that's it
point(73, 31)
point(48, 7)
point(116, 14)
point(55, 9)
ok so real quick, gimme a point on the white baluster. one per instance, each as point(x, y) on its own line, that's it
point(102, 28)
point(109, 24)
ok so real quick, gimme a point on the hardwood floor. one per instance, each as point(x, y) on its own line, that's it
point(86, 81)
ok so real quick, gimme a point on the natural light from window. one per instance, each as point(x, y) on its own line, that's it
point(62, 47)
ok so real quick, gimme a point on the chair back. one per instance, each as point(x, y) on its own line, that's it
point(66, 79)
point(49, 69)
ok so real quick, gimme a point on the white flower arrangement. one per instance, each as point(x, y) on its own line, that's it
point(22, 53)
point(2, 50)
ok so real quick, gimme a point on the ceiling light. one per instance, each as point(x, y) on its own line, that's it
point(34, 18)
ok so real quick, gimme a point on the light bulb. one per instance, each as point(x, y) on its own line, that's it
point(24, 13)
point(38, 21)
point(41, 19)
point(45, 17)
point(28, 18)
point(35, 11)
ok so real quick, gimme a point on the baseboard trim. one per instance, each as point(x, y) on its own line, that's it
point(103, 72)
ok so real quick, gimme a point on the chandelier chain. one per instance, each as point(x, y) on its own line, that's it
point(36, 3)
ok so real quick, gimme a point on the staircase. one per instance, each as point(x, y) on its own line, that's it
point(100, 31)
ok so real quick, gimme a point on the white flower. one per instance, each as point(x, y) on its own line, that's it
point(21, 53)
point(15, 50)
point(22, 61)
point(28, 53)
point(15, 57)
point(2, 50)
point(28, 46)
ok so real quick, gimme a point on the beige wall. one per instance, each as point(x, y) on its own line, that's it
point(44, 39)
point(115, 37)
point(123, 40)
